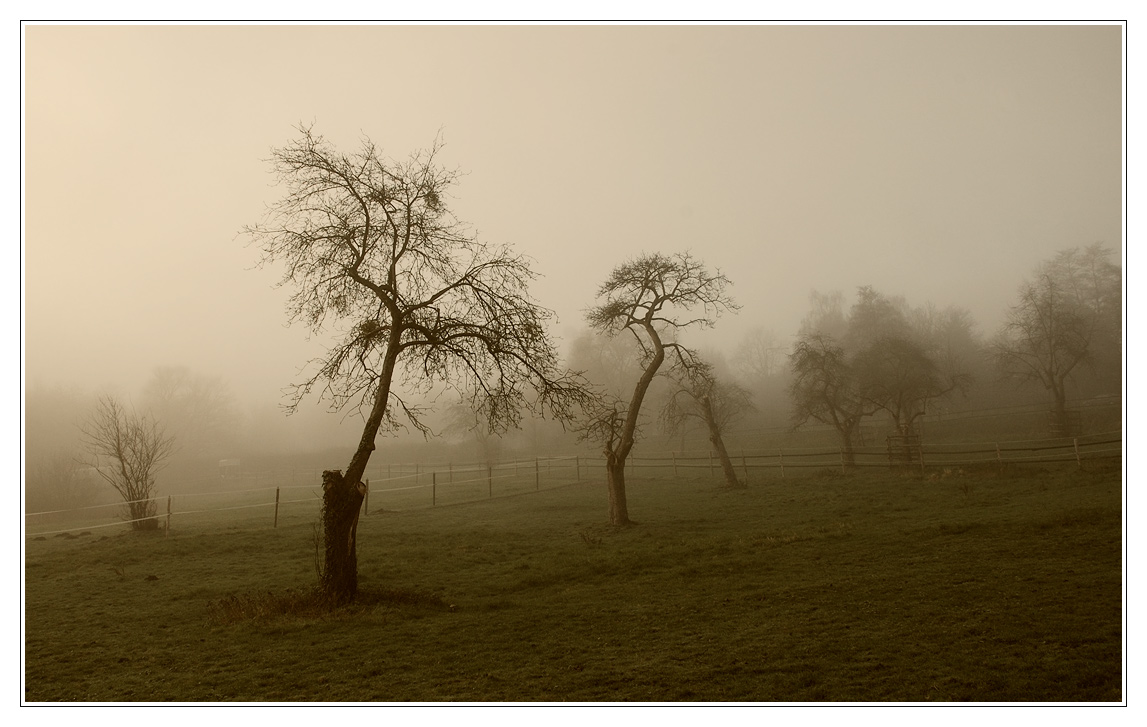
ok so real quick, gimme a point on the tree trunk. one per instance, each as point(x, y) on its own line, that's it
point(1059, 412)
point(142, 515)
point(341, 503)
point(615, 457)
point(343, 495)
point(719, 444)
point(847, 452)
point(618, 510)
point(726, 463)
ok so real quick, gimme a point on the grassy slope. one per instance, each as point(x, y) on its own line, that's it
point(869, 588)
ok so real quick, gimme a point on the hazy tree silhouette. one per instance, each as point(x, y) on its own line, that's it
point(825, 388)
point(653, 297)
point(199, 410)
point(374, 255)
point(899, 365)
point(880, 357)
point(1069, 315)
point(463, 422)
point(697, 395)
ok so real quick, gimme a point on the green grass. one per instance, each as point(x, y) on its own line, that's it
point(867, 588)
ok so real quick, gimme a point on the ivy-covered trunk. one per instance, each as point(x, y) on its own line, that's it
point(342, 501)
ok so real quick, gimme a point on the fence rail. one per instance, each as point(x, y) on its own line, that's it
point(439, 485)
point(1077, 450)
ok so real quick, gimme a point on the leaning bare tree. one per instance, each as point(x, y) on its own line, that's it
point(653, 297)
point(128, 451)
point(374, 255)
point(698, 396)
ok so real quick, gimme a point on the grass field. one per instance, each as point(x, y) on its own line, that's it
point(875, 587)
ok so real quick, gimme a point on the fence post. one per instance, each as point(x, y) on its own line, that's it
point(745, 466)
point(577, 468)
point(276, 508)
point(710, 463)
point(842, 470)
point(999, 459)
point(490, 478)
point(434, 488)
point(674, 454)
point(782, 455)
point(1075, 442)
point(167, 525)
point(366, 500)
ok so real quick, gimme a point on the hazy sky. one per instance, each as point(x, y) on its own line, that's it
point(938, 163)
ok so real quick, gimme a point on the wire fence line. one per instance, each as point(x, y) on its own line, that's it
point(438, 484)
point(1077, 450)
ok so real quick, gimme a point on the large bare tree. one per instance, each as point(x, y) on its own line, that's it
point(374, 256)
point(128, 450)
point(653, 297)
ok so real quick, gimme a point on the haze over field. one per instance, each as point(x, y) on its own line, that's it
point(937, 163)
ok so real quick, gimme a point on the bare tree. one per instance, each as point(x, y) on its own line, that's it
point(128, 451)
point(882, 356)
point(699, 396)
point(653, 297)
point(374, 255)
point(898, 375)
point(1069, 312)
point(825, 388)
point(759, 355)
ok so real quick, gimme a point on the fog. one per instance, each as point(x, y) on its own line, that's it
point(941, 164)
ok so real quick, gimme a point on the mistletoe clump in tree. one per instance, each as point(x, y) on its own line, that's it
point(373, 255)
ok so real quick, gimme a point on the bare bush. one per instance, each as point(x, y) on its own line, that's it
point(127, 451)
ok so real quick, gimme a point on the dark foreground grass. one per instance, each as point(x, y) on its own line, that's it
point(869, 588)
